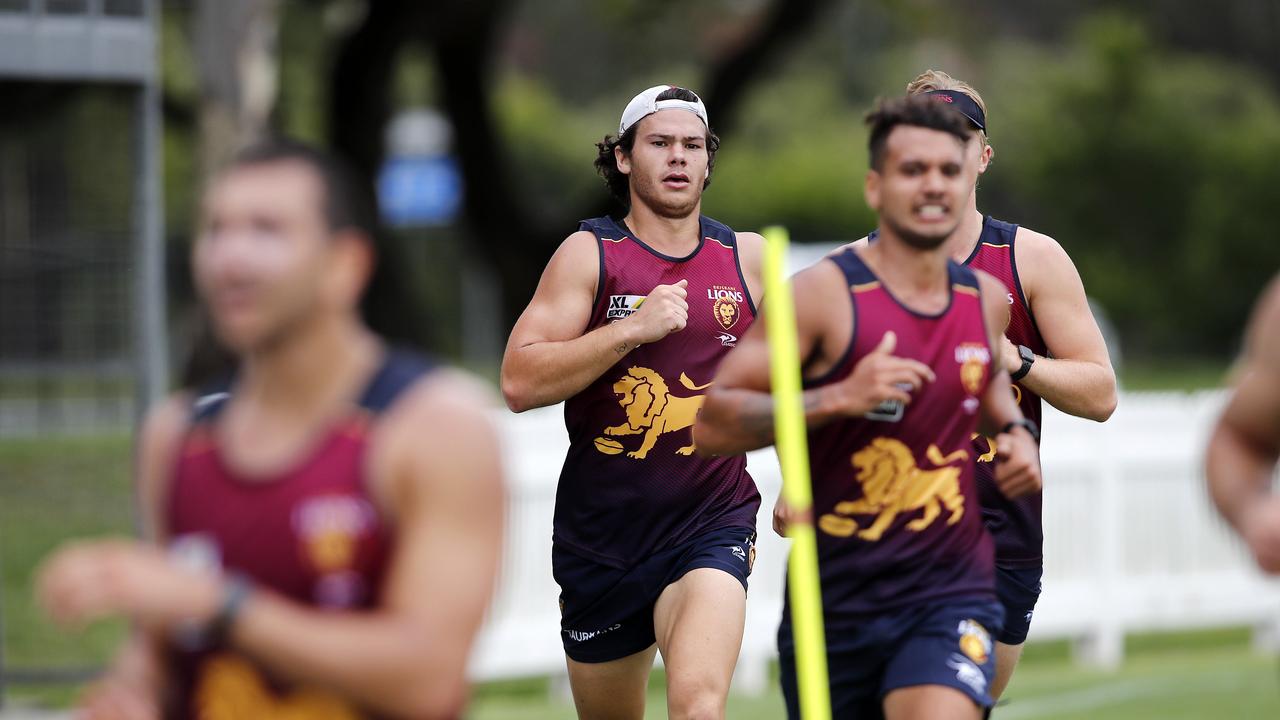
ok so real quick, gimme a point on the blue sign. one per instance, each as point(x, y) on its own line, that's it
point(419, 190)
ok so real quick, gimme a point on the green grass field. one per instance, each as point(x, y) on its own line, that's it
point(1188, 676)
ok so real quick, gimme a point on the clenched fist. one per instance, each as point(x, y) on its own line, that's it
point(663, 312)
point(1017, 464)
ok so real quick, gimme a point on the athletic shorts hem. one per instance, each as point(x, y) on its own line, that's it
point(710, 563)
point(609, 653)
point(1019, 591)
point(981, 704)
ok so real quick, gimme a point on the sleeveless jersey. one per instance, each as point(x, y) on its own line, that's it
point(1015, 524)
point(631, 484)
point(311, 533)
point(898, 518)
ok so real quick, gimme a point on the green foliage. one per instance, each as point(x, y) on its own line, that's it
point(551, 144)
point(1154, 170)
point(797, 158)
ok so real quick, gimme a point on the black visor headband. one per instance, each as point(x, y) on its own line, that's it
point(963, 104)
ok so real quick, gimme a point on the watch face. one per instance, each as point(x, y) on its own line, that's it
point(1025, 353)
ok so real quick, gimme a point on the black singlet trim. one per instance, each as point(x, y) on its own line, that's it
point(978, 245)
point(595, 304)
point(737, 261)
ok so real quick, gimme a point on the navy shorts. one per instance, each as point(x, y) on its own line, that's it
point(1018, 590)
point(945, 643)
point(606, 613)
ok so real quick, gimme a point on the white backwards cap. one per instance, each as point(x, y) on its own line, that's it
point(647, 103)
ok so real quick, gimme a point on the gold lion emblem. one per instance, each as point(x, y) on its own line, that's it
point(892, 484)
point(726, 312)
point(652, 409)
point(229, 688)
point(990, 454)
point(975, 641)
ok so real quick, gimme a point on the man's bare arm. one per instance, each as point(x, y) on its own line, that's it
point(1078, 379)
point(136, 682)
point(548, 358)
point(1017, 470)
point(1245, 445)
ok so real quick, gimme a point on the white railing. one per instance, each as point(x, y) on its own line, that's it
point(1131, 541)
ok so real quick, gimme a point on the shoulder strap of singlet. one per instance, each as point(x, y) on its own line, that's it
point(604, 227)
point(873, 235)
point(855, 271)
point(962, 275)
point(718, 231)
point(210, 401)
point(998, 232)
point(400, 369)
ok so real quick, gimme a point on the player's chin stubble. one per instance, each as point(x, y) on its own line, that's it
point(919, 241)
point(650, 193)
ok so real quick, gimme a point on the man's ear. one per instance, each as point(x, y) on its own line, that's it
point(871, 189)
point(622, 159)
point(985, 158)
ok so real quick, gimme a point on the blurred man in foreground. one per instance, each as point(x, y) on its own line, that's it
point(1242, 455)
point(325, 526)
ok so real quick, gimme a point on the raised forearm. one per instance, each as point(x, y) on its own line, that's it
point(383, 661)
point(734, 421)
point(1238, 470)
point(546, 373)
point(1077, 387)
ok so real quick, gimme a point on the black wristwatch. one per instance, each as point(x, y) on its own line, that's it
point(198, 637)
point(1028, 359)
point(1027, 424)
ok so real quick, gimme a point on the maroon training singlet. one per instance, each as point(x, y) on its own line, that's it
point(897, 511)
point(312, 534)
point(631, 484)
point(1016, 525)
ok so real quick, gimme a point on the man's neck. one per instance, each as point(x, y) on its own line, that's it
point(672, 236)
point(965, 238)
point(317, 366)
point(915, 276)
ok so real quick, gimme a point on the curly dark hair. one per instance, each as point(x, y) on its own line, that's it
point(914, 110)
point(620, 184)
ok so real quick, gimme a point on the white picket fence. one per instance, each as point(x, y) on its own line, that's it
point(1131, 543)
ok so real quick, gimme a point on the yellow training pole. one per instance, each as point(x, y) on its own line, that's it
point(793, 453)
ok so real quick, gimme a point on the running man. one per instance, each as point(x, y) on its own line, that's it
point(1052, 349)
point(325, 527)
point(652, 545)
point(1241, 462)
point(900, 357)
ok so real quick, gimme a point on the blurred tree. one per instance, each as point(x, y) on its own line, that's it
point(463, 39)
point(235, 44)
point(1152, 169)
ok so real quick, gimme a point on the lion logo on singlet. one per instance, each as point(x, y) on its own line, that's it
point(651, 410)
point(230, 688)
point(893, 484)
point(989, 455)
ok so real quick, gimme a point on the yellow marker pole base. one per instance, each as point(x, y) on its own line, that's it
point(793, 453)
